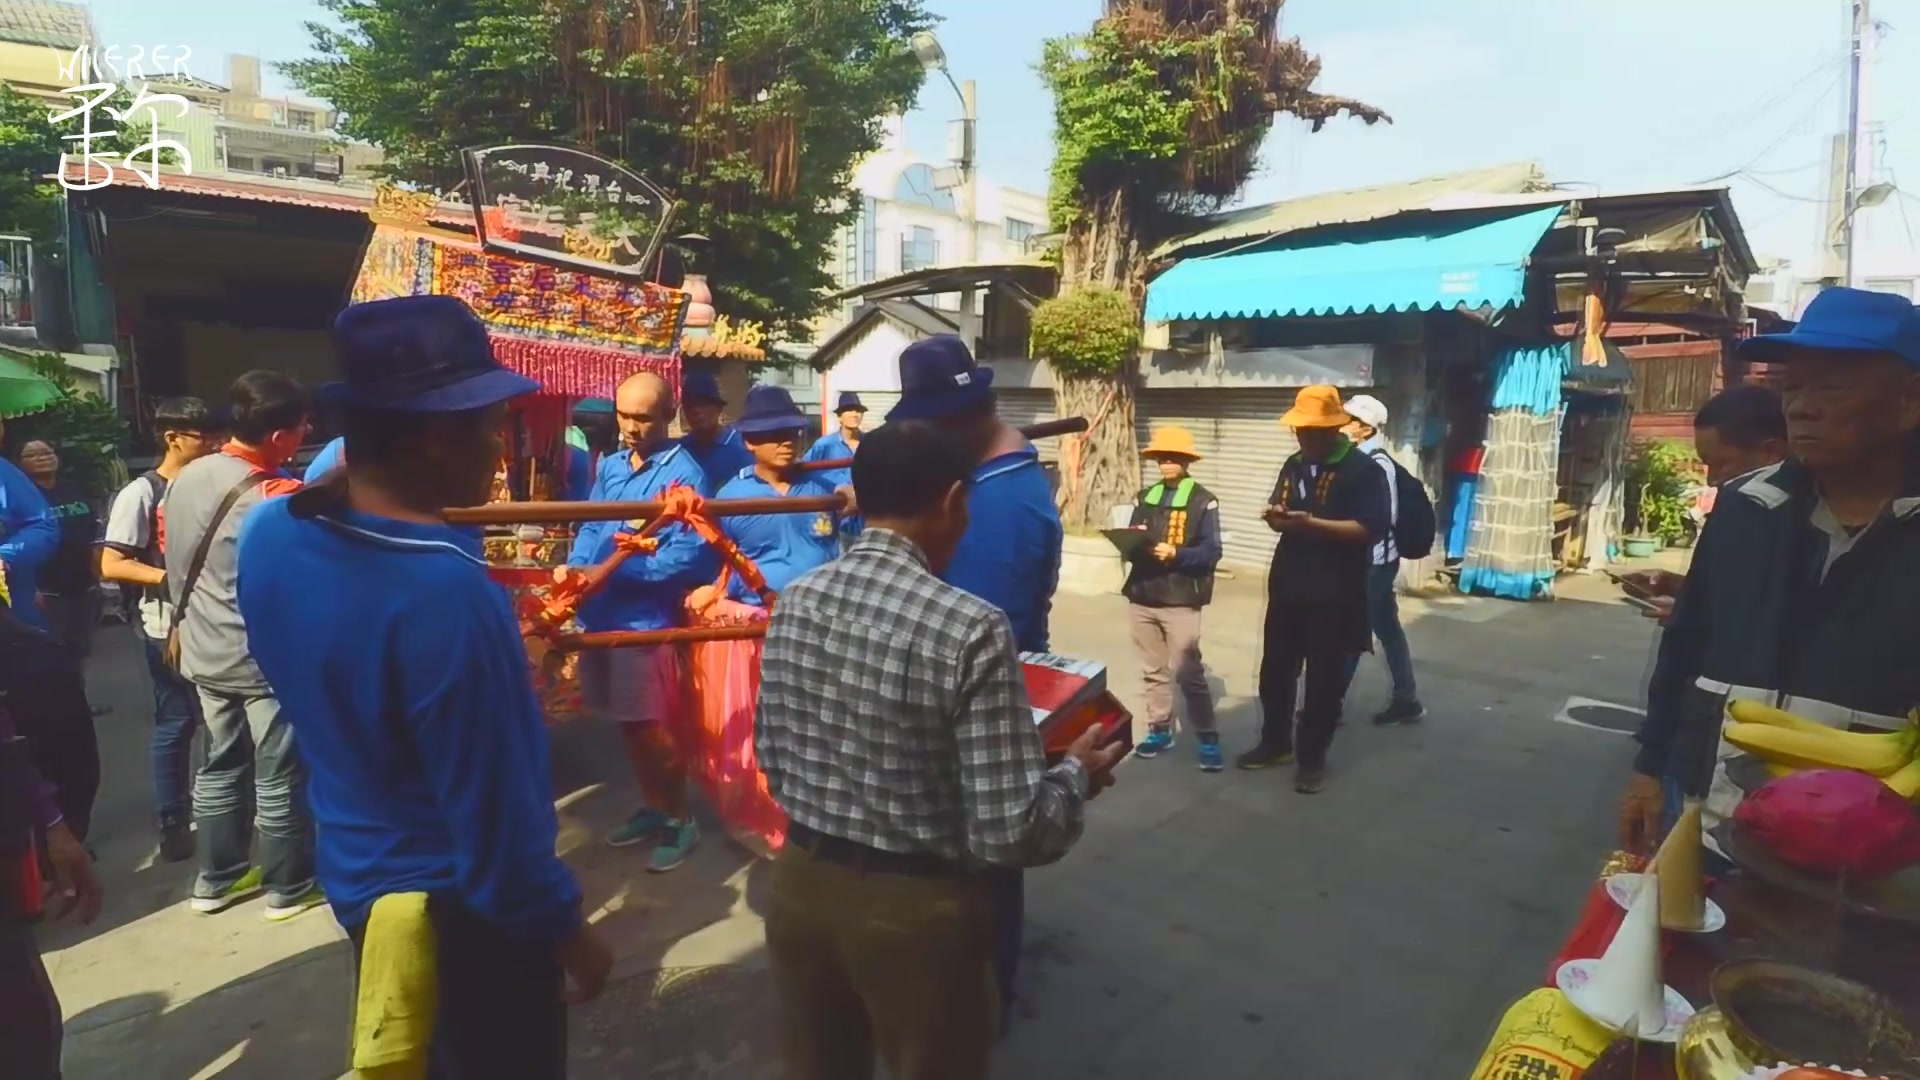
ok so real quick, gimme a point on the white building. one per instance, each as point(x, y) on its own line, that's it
point(910, 219)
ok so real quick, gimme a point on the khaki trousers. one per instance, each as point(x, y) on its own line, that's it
point(1168, 640)
point(870, 965)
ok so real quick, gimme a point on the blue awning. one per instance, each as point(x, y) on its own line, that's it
point(1430, 262)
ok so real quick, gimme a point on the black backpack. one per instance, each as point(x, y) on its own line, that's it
point(1415, 524)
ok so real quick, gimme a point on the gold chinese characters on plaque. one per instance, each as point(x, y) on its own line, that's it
point(748, 335)
point(402, 206)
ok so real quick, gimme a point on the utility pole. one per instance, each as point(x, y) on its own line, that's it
point(969, 206)
point(1862, 25)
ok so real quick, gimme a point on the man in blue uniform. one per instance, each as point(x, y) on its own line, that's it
point(842, 442)
point(641, 688)
point(29, 535)
point(715, 447)
point(402, 669)
point(331, 456)
point(1010, 555)
point(784, 546)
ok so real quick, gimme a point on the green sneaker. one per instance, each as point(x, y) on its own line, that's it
point(280, 909)
point(240, 891)
point(1264, 757)
point(677, 841)
point(644, 827)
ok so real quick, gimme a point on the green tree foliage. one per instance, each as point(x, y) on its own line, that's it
point(29, 151)
point(752, 112)
point(1159, 113)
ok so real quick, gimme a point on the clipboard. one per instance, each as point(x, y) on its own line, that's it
point(1131, 543)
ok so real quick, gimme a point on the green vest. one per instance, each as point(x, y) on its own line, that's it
point(1153, 583)
point(1181, 495)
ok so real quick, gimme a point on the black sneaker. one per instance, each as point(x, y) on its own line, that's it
point(176, 841)
point(1400, 712)
point(1263, 757)
point(1309, 781)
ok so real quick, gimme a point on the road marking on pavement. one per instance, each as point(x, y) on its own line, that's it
point(1608, 716)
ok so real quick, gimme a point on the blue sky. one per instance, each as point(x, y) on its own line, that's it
point(1620, 94)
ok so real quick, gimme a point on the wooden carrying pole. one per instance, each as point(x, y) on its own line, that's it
point(1050, 429)
point(633, 639)
point(545, 513)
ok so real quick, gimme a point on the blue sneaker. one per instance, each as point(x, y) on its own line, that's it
point(1159, 740)
point(645, 826)
point(1211, 759)
point(677, 841)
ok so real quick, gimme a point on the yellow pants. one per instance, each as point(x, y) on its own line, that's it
point(398, 991)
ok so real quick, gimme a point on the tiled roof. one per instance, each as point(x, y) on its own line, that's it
point(45, 22)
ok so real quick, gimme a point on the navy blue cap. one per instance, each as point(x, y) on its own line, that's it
point(701, 389)
point(418, 354)
point(849, 402)
point(1846, 320)
point(938, 378)
point(770, 409)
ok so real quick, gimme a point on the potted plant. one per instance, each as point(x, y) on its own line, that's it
point(1659, 475)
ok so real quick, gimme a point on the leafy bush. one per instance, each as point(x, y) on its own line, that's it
point(1087, 333)
point(1661, 474)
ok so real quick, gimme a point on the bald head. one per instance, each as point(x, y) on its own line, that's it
point(643, 407)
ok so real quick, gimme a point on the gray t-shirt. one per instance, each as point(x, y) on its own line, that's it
point(133, 530)
point(213, 639)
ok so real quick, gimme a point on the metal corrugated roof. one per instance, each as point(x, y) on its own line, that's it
point(264, 189)
point(1361, 204)
point(53, 23)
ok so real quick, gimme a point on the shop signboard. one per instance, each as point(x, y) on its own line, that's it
point(563, 206)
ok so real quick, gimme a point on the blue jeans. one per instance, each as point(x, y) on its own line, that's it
point(247, 736)
point(176, 716)
point(1383, 616)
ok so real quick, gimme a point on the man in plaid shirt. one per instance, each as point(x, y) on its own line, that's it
point(894, 730)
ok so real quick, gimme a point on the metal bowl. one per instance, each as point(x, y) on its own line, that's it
point(1778, 1012)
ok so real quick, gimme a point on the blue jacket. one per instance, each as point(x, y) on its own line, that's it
point(579, 475)
point(29, 535)
point(831, 447)
point(324, 462)
point(722, 459)
point(648, 592)
point(401, 669)
point(1010, 556)
point(784, 546)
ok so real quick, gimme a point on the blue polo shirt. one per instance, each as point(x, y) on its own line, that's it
point(831, 448)
point(648, 591)
point(784, 546)
point(722, 459)
point(1010, 555)
point(401, 668)
point(323, 462)
point(29, 535)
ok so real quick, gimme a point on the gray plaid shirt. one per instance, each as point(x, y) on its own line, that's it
point(893, 713)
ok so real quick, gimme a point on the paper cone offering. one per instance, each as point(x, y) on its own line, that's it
point(1683, 897)
point(1626, 993)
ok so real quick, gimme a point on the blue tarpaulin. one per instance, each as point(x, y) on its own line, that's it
point(1417, 263)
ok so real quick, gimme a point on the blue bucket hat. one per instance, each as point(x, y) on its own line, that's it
point(849, 402)
point(1846, 320)
point(938, 378)
point(423, 354)
point(594, 406)
point(770, 409)
point(701, 389)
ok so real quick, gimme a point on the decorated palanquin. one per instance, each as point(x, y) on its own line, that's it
point(578, 333)
point(724, 638)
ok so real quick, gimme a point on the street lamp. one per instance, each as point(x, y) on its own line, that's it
point(1864, 199)
point(926, 49)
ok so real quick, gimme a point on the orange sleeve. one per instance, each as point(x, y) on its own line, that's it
point(275, 486)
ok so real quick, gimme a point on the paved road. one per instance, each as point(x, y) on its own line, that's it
point(1209, 926)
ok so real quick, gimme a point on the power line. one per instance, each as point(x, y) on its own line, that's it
point(1756, 181)
point(1792, 129)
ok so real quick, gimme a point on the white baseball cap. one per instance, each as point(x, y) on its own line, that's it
point(1368, 410)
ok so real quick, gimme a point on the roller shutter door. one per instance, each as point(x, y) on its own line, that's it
point(1242, 447)
point(1023, 406)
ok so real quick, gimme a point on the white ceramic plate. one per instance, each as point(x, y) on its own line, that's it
point(1622, 888)
point(1575, 977)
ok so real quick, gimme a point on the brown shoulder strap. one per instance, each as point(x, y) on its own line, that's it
point(205, 546)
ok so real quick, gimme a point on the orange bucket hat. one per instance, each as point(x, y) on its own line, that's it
point(1316, 407)
point(1171, 440)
